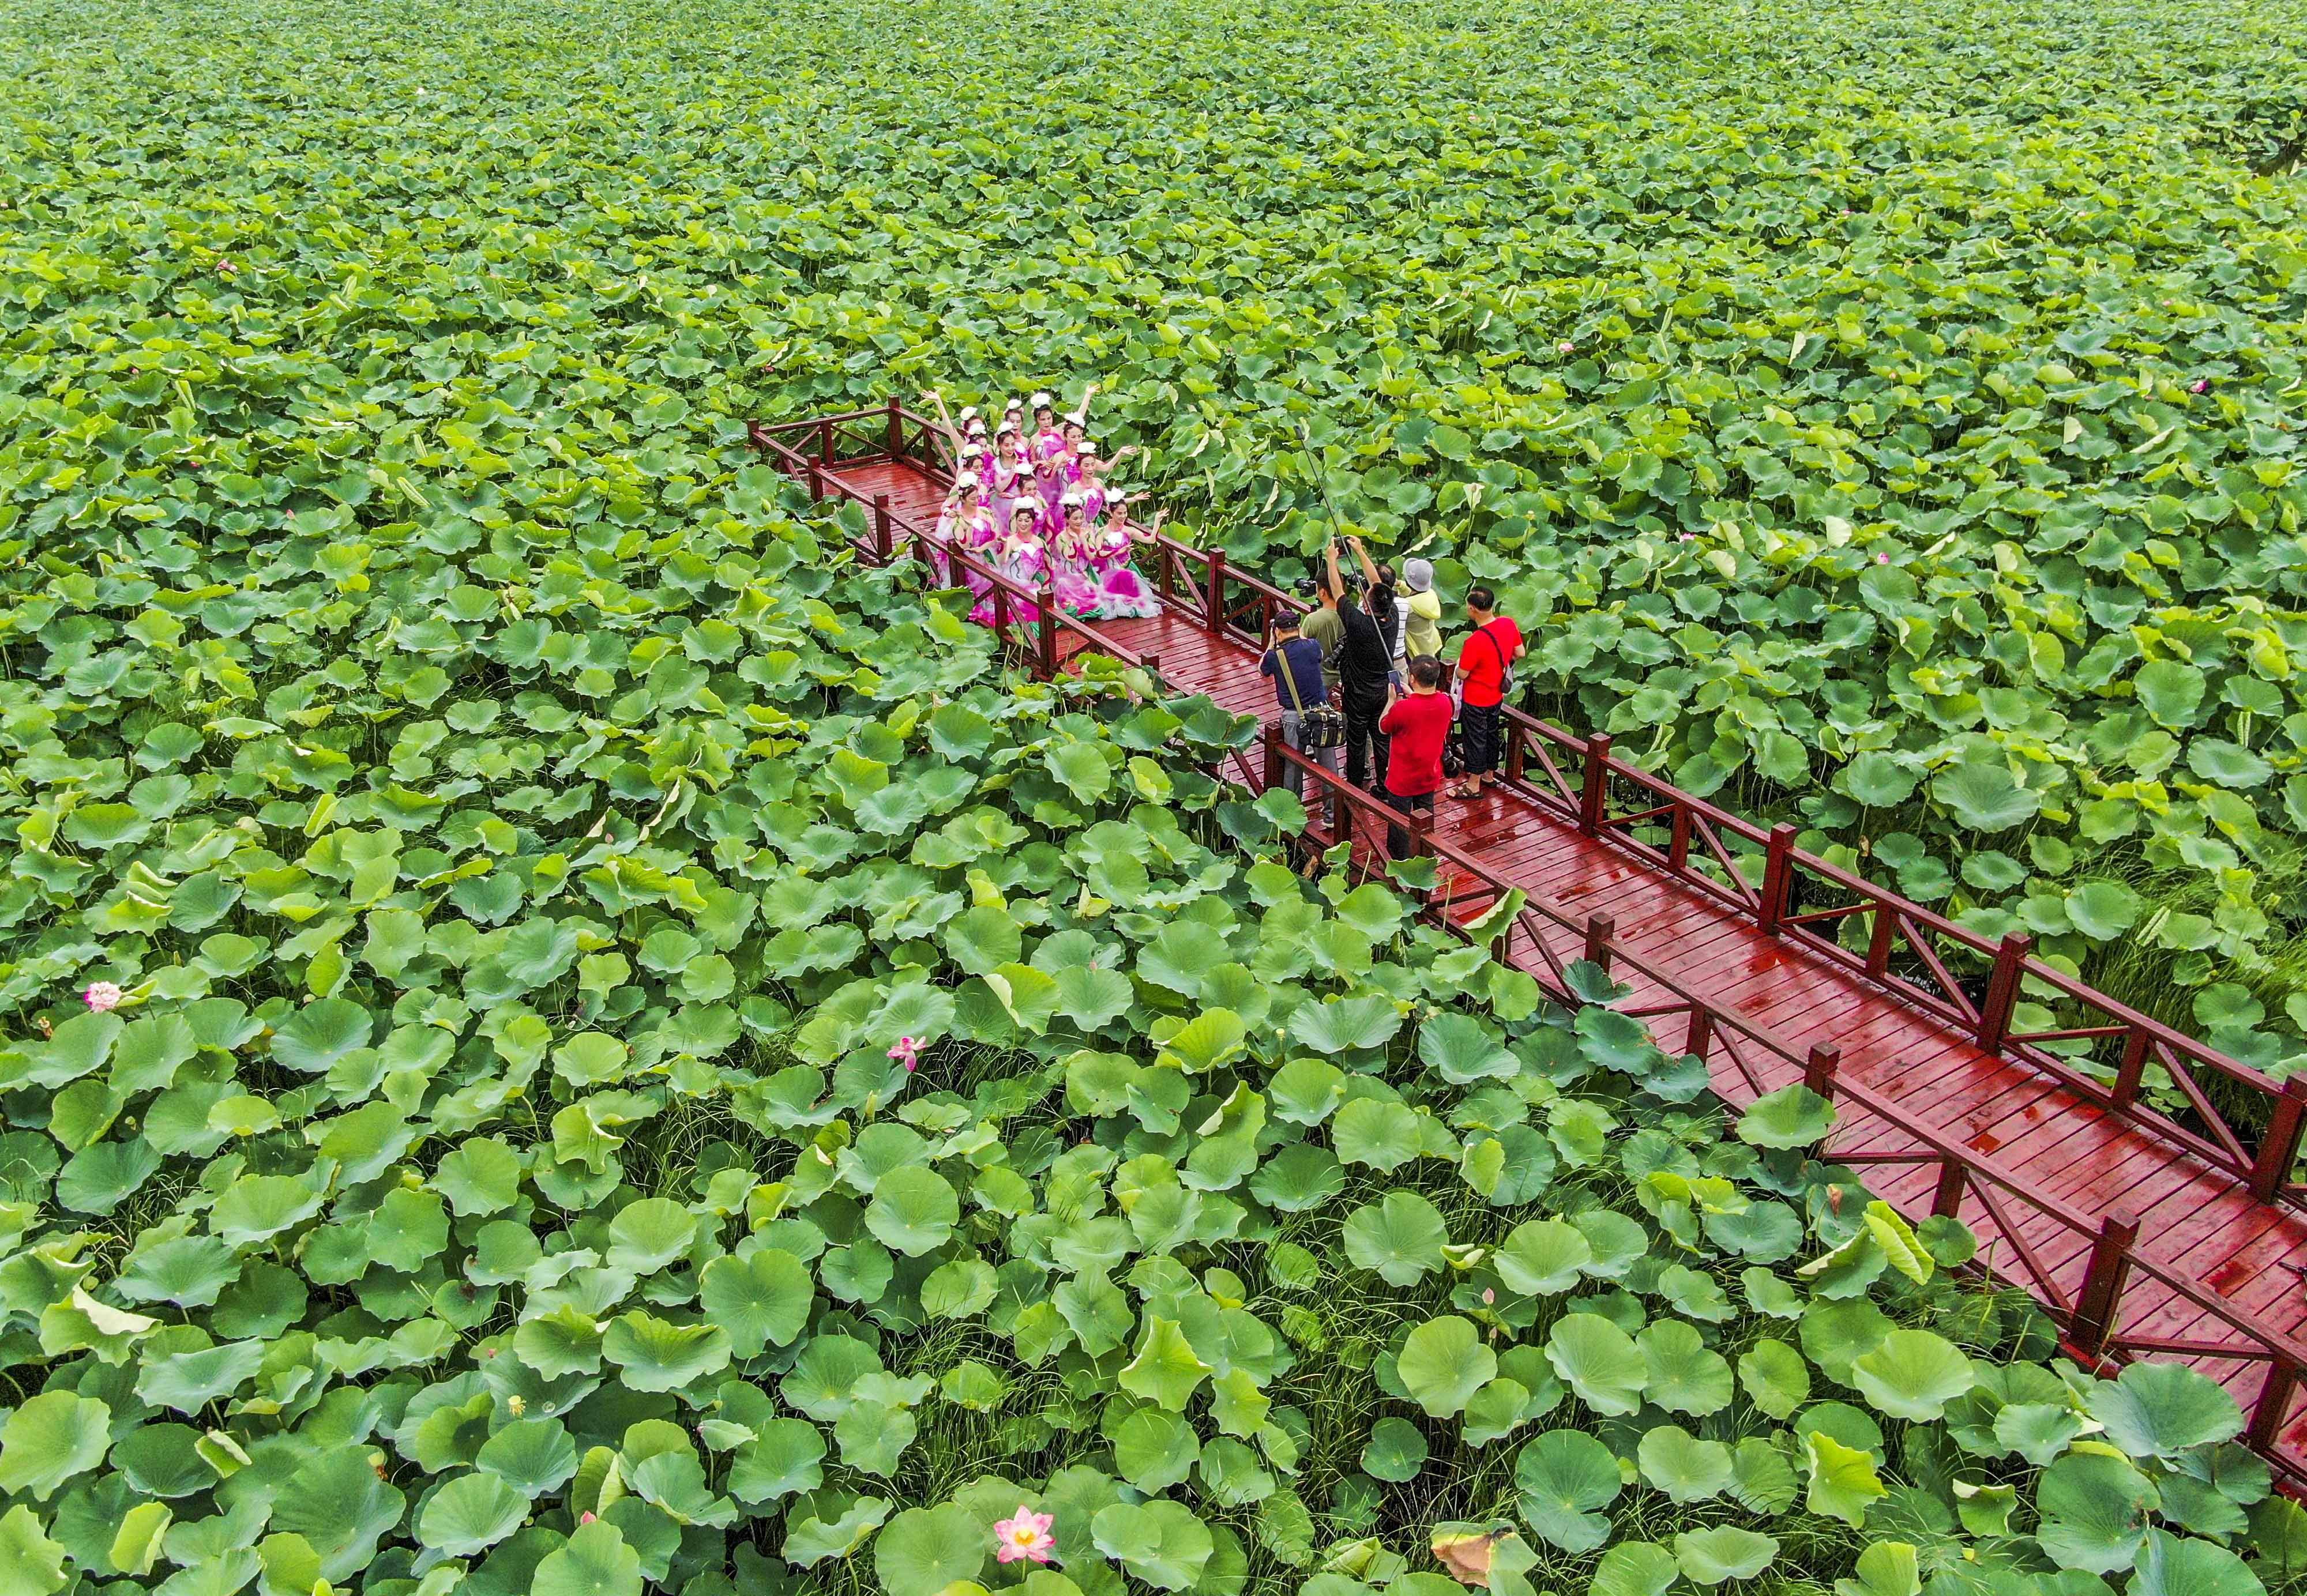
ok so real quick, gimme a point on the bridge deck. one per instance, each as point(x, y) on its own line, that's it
point(2215, 1274)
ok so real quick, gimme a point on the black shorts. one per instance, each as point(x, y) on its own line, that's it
point(1481, 722)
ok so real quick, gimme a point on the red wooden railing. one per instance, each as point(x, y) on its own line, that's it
point(1472, 899)
point(2104, 1052)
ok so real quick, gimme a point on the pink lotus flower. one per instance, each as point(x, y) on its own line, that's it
point(2202, 385)
point(584, 1518)
point(1565, 347)
point(1881, 560)
point(1025, 1537)
point(907, 1051)
point(1689, 537)
point(101, 996)
point(1489, 1297)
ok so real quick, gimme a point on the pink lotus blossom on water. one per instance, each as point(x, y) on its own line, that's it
point(2202, 385)
point(1489, 1296)
point(1565, 347)
point(1689, 537)
point(907, 1051)
point(1881, 560)
point(101, 996)
point(584, 1518)
point(1025, 1537)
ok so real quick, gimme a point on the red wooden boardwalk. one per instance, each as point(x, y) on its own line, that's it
point(2145, 1234)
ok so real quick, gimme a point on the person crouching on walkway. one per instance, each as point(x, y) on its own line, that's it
point(1417, 725)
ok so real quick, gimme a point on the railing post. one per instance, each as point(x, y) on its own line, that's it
point(816, 481)
point(1700, 1037)
point(2131, 1069)
point(2273, 1404)
point(1213, 616)
point(2003, 990)
point(883, 545)
point(897, 430)
point(1878, 945)
point(1818, 1069)
point(1599, 929)
point(1272, 756)
point(1046, 622)
point(1594, 797)
point(1677, 854)
point(1777, 857)
point(1512, 733)
point(2101, 1297)
point(1947, 1202)
point(825, 444)
point(2278, 1149)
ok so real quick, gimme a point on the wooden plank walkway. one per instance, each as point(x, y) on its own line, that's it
point(2045, 1172)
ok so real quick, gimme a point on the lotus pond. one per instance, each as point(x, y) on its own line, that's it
point(643, 1059)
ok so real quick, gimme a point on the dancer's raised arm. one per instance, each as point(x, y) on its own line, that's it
point(945, 422)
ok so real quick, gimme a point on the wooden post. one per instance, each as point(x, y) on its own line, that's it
point(1818, 1069)
point(1594, 798)
point(1678, 853)
point(883, 545)
point(1878, 945)
point(2003, 990)
point(897, 430)
point(2101, 1297)
point(1213, 616)
point(1418, 825)
point(825, 444)
point(1512, 733)
point(2133, 1068)
point(2273, 1404)
point(1599, 929)
point(1046, 622)
point(1947, 1201)
point(816, 481)
point(1700, 1036)
point(2278, 1149)
point(1777, 857)
point(1272, 756)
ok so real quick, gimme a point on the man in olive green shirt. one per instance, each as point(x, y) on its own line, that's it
point(1321, 623)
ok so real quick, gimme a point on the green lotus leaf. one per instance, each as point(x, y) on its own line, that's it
point(913, 1211)
point(1153, 1448)
point(532, 1455)
point(1836, 1335)
point(594, 1561)
point(1774, 1376)
point(758, 1300)
point(2161, 1410)
point(1634, 1568)
point(1443, 1362)
point(257, 1207)
point(1302, 1177)
point(1843, 1482)
point(1395, 1452)
point(1542, 1257)
point(810, 1538)
point(470, 1513)
point(1683, 1467)
point(655, 1355)
point(1599, 1362)
point(1566, 1478)
point(1711, 1556)
point(320, 1034)
point(2171, 691)
point(1683, 1374)
point(2094, 1511)
point(1400, 1237)
point(924, 1550)
point(1461, 1049)
point(1985, 798)
point(1165, 1371)
point(1208, 1042)
point(1793, 1116)
point(781, 1460)
point(650, 1234)
point(1092, 997)
point(1876, 779)
point(51, 1439)
point(1345, 1024)
point(1160, 1543)
point(1372, 910)
point(1912, 1375)
point(34, 1564)
point(342, 1508)
point(825, 1377)
point(1886, 1568)
point(2171, 1566)
point(1383, 1135)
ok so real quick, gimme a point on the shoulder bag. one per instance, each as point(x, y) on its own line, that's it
point(1321, 727)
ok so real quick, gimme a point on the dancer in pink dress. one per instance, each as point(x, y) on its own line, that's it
point(1013, 472)
point(1021, 558)
point(1049, 438)
point(1120, 591)
point(965, 522)
point(1073, 575)
point(1048, 490)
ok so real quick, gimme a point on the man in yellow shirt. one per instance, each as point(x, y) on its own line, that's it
point(1421, 630)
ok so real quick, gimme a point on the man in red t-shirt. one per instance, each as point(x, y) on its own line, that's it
point(1416, 727)
point(1484, 662)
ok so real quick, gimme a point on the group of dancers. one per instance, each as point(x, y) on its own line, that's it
point(1030, 500)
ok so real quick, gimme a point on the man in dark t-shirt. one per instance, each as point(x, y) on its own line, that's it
point(1364, 665)
point(1294, 665)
